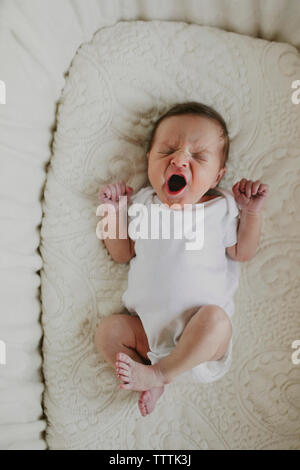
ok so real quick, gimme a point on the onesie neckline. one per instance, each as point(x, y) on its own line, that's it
point(156, 200)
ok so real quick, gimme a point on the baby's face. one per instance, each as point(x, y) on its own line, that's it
point(191, 146)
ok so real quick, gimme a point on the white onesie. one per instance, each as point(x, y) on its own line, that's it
point(167, 283)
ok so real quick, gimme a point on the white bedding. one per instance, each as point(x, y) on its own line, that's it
point(37, 42)
point(117, 86)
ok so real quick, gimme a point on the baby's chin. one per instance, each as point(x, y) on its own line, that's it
point(178, 200)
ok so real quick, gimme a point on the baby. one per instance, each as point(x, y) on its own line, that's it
point(180, 302)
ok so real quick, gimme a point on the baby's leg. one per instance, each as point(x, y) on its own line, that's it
point(205, 338)
point(125, 333)
point(121, 332)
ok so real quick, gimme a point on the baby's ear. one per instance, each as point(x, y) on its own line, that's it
point(147, 155)
point(221, 173)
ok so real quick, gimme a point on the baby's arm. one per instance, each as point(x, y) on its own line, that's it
point(250, 196)
point(120, 249)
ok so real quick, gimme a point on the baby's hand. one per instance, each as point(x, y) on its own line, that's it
point(110, 193)
point(249, 195)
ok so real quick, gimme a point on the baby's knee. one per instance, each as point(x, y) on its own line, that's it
point(217, 317)
point(222, 319)
point(104, 331)
point(113, 329)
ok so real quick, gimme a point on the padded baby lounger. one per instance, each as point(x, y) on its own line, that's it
point(114, 92)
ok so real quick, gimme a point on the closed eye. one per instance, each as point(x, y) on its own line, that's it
point(198, 156)
point(167, 152)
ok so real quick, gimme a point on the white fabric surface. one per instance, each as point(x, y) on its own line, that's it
point(170, 279)
point(116, 88)
point(37, 42)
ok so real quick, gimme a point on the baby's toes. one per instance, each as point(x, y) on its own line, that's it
point(143, 409)
point(124, 368)
point(142, 405)
point(122, 357)
point(120, 369)
point(124, 374)
point(124, 380)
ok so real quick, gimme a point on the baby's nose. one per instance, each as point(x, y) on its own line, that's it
point(180, 160)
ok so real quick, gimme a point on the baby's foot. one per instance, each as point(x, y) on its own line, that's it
point(148, 399)
point(137, 376)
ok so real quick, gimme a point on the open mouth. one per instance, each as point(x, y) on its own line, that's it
point(176, 183)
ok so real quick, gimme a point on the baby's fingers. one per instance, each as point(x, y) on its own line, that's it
point(242, 185)
point(104, 193)
point(239, 187)
point(263, 189)
point(248, 188)
point(114, 193)
point(108, 192)
point(129, 190)
point(121, 188)
point(255, 187)
point(236, 188)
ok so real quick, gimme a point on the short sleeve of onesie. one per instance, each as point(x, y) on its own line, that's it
point(231, 221)
point(141, 196)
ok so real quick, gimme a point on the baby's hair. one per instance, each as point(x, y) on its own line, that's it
point(198, 109)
